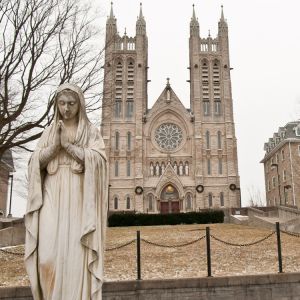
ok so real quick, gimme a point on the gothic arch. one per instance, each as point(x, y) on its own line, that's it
point(169, 177)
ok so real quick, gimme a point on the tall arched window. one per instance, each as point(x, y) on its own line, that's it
point(116, 202)
point(128, 140)
point(116, 168)
point(128, 168)
point(119, 90)
point(207, 135)
point(150, 202)
point(127, 202)
point(189, 200)
point(219, 140)
point(117, 140)
point(220, 166)
point(208, 167)
point(222, 199)
point(130, 89)
point(210, 200)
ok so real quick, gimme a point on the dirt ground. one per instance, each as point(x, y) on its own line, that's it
point(181, 262)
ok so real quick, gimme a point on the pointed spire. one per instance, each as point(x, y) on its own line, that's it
point(141, 23)
point(222, 14)
point(209, 33)
point(111, 10)
point(141, 11)
point(125, 31)
point(111, 23)
point(194, 14)
point(223, 27)
point(194, 24)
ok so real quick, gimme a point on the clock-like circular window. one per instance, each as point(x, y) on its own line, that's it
point(168, 136)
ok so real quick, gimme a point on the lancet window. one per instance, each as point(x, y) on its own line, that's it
point(158, 168)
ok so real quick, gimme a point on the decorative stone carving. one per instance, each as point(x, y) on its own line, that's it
point(168, 136)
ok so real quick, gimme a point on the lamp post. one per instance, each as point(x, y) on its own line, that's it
point(286, 187)
point(278, 178)
point(10, 196)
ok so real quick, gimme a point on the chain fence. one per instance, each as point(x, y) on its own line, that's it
point(245, 244)
point(207, 236)
point(173, 246)
point(293, 234)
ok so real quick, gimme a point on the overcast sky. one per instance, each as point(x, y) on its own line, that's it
point(264, 39)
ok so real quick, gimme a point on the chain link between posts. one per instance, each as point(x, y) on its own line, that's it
point(12, 253)
point(180, 245)
point(173, 246)
point(293, 234)
point(120, 246)
point(245, 244)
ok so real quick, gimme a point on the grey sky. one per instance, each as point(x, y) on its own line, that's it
point(264, 42)
point(264, 51)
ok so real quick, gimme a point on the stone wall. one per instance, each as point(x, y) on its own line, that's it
point(252, 287)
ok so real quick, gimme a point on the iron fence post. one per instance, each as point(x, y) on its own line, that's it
point(279, 247)
point(208, 252)
point(138, 254)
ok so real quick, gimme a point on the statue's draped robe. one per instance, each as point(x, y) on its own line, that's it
point(66, 218)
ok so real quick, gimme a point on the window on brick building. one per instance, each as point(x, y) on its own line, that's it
point(273, 182)
point(282, 155)
point(284, 175)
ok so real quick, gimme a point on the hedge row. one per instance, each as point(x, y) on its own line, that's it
point(203, 217)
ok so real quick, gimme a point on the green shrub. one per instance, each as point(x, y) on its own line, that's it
point(137, 219)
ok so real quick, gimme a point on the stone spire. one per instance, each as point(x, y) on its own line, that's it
point(194, 24)
point(222, 21)
point(223, 27)
point(222, 14)
point(141, 23)
point(111, 23)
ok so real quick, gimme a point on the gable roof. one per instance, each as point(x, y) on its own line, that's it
point(168, 100)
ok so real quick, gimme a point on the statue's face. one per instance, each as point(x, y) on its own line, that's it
point(68, 106)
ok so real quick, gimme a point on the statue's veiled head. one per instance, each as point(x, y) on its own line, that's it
point(70, 103)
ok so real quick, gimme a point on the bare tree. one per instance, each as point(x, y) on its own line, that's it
point(43, 43)
point(255, 197)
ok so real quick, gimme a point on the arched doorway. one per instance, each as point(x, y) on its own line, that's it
point(169, 200)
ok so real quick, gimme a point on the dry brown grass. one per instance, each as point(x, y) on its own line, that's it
point(189, 261)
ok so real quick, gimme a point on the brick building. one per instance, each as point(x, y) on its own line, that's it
point(169, 158)
point(6, 167)
point(282, 166)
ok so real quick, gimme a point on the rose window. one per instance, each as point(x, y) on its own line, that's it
point(168, 136)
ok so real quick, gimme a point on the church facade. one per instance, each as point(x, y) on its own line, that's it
point(169, 158)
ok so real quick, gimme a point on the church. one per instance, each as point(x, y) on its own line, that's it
point(168, 158)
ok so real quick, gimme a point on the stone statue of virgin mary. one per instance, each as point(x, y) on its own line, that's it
point(67, 205)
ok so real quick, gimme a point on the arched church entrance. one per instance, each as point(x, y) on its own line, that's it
point(169, 200)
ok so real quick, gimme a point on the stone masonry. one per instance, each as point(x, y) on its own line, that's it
point(169, 158)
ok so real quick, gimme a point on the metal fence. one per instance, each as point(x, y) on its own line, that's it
point(207, 236)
